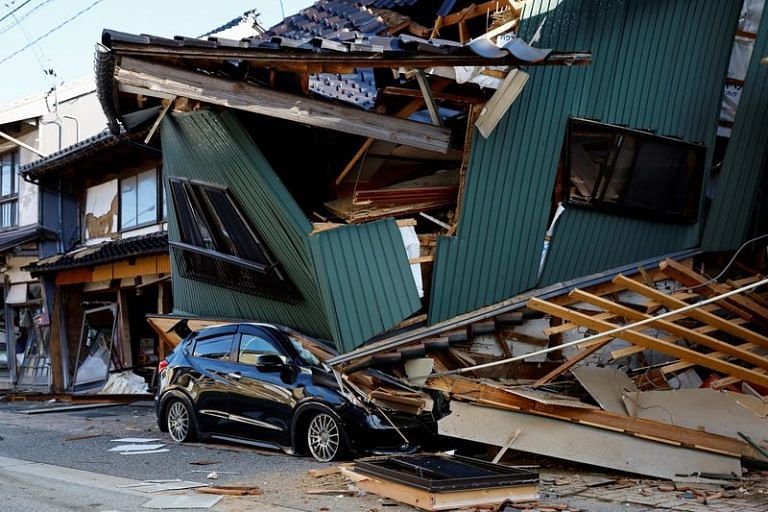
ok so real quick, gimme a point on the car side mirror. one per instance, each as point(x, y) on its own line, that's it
point(270, 361)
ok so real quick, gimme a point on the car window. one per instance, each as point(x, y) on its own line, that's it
point(254, 345)
point(216, 347)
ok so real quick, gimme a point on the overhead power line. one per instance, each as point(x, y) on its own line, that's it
point(54, 29)
point(9, 26)
point(14, 10)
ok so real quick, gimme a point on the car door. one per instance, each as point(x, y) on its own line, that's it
point(212, 365)
point(263, 396)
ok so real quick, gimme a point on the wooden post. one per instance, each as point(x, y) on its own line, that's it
point(124, 328)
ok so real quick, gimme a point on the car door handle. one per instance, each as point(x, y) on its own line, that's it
point(235, 375)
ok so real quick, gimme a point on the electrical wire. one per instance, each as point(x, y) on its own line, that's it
point(727, 266)
point(14, 11)
point(54, 29)
point(8, 27)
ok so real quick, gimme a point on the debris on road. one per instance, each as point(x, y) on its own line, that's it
point(232, 490)
point(442, 482)
point(182, 502)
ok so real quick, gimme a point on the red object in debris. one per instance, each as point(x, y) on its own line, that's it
point(711, 379)
point(162, 366)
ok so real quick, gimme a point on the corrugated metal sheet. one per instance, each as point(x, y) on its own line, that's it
point(355, 281)
point(729, 220)
point(215, 148)
point(365, 278)
point(657, 64)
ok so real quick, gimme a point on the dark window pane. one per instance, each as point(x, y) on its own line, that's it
point(252, 346)
point(214, 348)
point(237, 238)
point(630, 172)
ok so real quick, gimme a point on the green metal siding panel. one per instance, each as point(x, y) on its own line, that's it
point(215, 148)
point(366, 279)
point(657, 64)
point(733, 207)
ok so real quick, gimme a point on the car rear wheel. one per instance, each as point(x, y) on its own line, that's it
point(180, 422)
point(324, 437)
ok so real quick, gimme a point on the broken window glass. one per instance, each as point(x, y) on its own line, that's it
point(631, 172)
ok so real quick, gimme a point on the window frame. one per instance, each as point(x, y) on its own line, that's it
point(210, 336)
point(161, 213)
point(276, 285)
point(693, 192)
point(13, 197)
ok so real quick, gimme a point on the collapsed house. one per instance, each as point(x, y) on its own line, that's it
point(426, 187)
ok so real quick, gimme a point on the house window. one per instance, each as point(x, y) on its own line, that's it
point(140, 196)
point(633, 173)
point(9, 192)
point(218, 245)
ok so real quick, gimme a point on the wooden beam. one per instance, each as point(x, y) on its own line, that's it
point(260, 100)
point(683, 332)
point(650, 342)
point(699, 314)
point(406, 111)
point(335, 62)
point(737, 304)
point(160, 117)
point(442, 96)
point(429, 99)
point(570, 363)
point(472, 115)
point(706, 329)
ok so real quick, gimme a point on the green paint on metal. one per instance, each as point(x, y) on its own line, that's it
point(369, 284)
point(657, 65)
point(216, 149)
point(733, 207)
point(355, 281)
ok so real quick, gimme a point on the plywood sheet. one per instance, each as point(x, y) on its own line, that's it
point(606, 386)
point(604, 448)
point(701, 409)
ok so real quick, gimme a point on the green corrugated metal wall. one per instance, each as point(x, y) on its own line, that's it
point(208, 147)
point(366, 279)
point(745, 158)
point(355, 281)
point(657, 64)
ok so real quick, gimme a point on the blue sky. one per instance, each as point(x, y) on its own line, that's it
point(69, 50)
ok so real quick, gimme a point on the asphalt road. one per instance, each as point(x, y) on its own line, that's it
point(61, 462)
point(80, 440)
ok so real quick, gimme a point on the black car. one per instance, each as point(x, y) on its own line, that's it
point(258, 384)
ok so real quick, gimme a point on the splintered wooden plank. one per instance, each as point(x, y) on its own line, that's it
point(164, 79)
point(651, 342)
point(699, 314)
point(495, 396)
point(727, 381)
point(738, 304)
point(691, 335)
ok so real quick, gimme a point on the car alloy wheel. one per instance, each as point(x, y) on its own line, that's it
point(324, 437)
point(178, 421)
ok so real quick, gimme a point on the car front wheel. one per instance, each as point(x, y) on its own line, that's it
point(324, 437)
point(180, 422)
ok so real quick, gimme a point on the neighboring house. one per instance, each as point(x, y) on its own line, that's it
point(33, 127)
point(104, 199)
point(283, 206)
